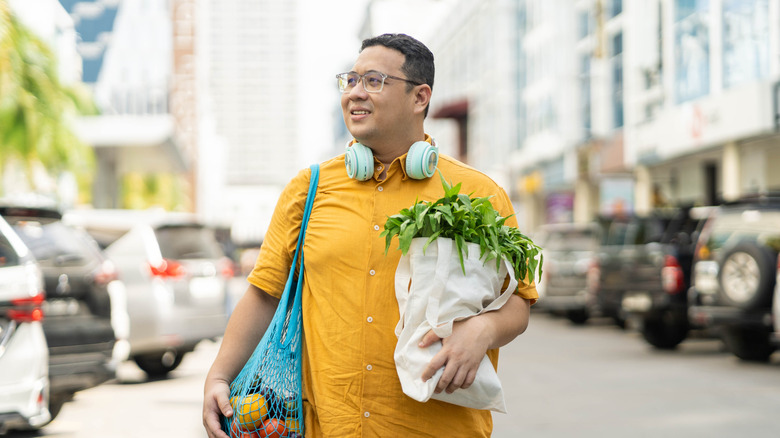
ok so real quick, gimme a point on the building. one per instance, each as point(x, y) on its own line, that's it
point(248, 58)
point(137, 58)
point(477, 81)
point(605, 107)
point(703, 126)
point(660, 103)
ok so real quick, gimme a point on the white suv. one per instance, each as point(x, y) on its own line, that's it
point(24, 355)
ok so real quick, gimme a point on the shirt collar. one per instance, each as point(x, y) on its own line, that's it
point(378, 166)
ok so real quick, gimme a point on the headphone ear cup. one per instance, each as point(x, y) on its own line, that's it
point(422, 159)
point(359, 161)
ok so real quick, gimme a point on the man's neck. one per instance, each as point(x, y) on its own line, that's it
point(387, 152)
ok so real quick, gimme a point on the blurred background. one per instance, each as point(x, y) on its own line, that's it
point(578, 108)
point(585, 111)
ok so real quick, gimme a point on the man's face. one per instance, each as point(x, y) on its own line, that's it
point(383, 115)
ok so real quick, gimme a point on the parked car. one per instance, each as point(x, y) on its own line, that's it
point(24, 355)
point(176, 276)
point(76, 275)
point(568, 251)
point(735, 274)
point(642, 269)
point(658, 298)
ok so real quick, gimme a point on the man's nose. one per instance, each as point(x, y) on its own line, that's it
point(358, 91)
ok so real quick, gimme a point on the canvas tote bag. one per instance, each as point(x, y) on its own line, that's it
point(433, 292)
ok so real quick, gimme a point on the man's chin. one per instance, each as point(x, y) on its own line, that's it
point(360, 135)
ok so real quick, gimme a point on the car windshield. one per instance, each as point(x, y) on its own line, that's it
point(54, 243)
point(188, 242)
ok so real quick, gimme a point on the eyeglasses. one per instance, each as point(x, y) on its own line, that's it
point(373, 81)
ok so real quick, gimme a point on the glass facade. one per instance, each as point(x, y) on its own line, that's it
point(617, 80)
point(522, 119)
point(585, 94)
point(745, 41)
point(691, 49)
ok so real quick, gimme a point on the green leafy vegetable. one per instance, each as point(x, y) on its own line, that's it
point(464, 219)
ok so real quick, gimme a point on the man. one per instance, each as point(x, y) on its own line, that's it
point(349, 306)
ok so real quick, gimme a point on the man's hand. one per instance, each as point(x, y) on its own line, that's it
point(246, 327)
point(216, 401)
point(461, 354)
point(471, 338)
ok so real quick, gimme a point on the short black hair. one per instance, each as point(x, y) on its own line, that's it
point(418, 60)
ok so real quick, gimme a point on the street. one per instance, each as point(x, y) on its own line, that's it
point(560, 380)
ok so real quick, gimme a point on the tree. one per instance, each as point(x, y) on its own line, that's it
point(36, 110)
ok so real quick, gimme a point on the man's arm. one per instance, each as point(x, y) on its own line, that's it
point(246, 327)
point(471, 338)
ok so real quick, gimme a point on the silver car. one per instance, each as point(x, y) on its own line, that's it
point(24, 354)
point(175, 274)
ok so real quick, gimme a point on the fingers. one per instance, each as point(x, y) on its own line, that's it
point(429, 339)
point(434, 365)
point(212, 423)
point(224, 405)
point(213, 427)
point(216, 401)
point(463, 380)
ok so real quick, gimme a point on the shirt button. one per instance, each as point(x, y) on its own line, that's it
point(369, 367)
point(372, 272)
point(376, 227)
point(380, 188)
point(370, 319)
point(366, 414)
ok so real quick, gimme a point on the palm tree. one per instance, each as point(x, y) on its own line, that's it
point(36, 110)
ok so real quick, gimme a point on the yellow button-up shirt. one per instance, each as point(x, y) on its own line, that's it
point(349, 305)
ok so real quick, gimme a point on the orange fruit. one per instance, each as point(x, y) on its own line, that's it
point(272, 428)
point(250, 411)
point(237, 431)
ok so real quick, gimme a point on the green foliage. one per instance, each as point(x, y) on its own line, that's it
point(465, 219)
point(36, 109)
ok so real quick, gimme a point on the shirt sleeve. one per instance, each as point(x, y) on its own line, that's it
point(278, 249)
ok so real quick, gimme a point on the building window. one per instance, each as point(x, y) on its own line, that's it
point(745, 41)
point(616, 62)
point(585, 26)
point(691, 49)
point(616, 8)
point(617, 44)
point(585, 94)
point(522, 79)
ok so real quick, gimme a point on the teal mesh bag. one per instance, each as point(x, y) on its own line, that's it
point(267, 393)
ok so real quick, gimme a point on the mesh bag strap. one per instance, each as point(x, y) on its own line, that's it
point(293, 309)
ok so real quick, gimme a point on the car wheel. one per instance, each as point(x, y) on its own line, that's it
point(664, 331)
point(749, 344)
point(747, 276)
point(158, 365)
point(578, 317)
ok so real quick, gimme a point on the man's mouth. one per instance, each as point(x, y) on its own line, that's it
point(360, 113)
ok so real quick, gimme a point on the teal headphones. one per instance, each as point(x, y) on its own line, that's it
point(421, 161)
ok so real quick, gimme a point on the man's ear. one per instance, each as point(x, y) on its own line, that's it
point(422, 97)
